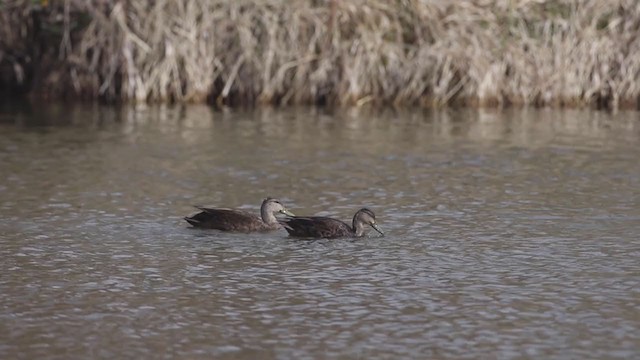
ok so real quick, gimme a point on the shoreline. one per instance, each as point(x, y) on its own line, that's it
point(335, 54)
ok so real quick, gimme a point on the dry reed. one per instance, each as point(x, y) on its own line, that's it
point(429, 53)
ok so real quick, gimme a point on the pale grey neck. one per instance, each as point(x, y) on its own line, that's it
point(267, 215)
point(358, 228)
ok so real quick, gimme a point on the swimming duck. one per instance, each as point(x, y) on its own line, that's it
point(240, 221)
point(325, 227)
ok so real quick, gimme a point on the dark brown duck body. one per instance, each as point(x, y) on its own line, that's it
point(233, 220)
point(329, 228)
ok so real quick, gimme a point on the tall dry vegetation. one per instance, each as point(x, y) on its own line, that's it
point(431, 53)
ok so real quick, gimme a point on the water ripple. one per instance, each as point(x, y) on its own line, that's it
point(520, 243)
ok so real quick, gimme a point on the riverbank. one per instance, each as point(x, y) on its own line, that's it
point(431, 54)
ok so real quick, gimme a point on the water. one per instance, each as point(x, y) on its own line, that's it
point(509, 234)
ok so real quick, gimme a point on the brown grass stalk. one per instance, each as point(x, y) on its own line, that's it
point(336, 52)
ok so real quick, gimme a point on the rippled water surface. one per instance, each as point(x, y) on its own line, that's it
point(509, 234)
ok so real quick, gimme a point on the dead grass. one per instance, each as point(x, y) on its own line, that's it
point(282, 52)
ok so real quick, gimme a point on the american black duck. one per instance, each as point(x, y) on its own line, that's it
point(326, 227)
point(240, 221)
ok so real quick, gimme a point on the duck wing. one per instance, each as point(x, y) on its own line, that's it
point(226, 220)
point(315, 227)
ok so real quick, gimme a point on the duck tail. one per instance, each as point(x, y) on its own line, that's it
point(285, 223)
point(191, 221)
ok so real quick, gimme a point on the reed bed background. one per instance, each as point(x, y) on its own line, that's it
point(332, 52)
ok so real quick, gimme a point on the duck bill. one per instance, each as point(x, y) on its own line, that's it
point(377, 228)
point(287, 212)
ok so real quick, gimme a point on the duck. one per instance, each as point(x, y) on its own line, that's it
point(329, 228)
point(233, 220)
